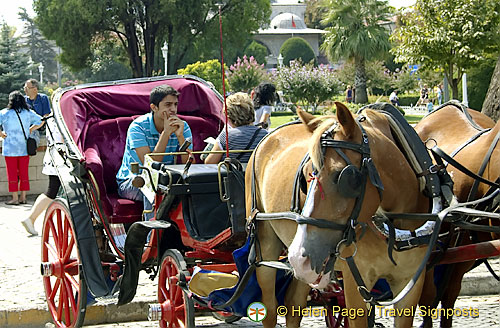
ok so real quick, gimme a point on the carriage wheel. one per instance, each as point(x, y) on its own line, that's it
point(335, 320)
point(177, 309)
point(336, 299)
point(227, 317)
point(65, 287)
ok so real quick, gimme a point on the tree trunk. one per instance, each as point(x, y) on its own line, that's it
point(360, 95)
point(454, 88)
point(491, 105)
point(133, 49)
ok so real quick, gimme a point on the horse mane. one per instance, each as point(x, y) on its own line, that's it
point(315, 151)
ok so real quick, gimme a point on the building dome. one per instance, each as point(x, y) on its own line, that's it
point(287, 21)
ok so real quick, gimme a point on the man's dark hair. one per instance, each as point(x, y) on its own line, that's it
point(160, 92)
point(17, 101)
point(33, 82)
point(264, 94)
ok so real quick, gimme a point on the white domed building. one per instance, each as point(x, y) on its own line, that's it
point(285, 25)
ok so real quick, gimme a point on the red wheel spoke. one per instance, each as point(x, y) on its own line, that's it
point(60, 232)
point(67, 315)
point(69, 249)
point(70, 293)
point(65, 234)
point(164, 293)
point(54, 290)
point(180, 309)
point(52, 251)
point(54, 232)
point(60, 303)
point(178, 294)
point(72, 281)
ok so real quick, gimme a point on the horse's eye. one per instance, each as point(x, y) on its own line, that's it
point(335, 177)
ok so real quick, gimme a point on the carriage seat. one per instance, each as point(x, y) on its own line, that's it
point(103, 149)
point(205, 215)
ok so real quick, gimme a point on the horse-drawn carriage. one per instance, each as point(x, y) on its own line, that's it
point(94, 243)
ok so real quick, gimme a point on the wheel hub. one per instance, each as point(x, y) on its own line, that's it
point(162, 311)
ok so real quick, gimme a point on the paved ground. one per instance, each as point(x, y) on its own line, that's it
point(488, 316)
point(22, 300)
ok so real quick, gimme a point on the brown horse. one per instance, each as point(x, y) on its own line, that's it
point(451, 129)
point(310, 247)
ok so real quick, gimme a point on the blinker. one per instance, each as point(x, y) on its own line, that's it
point(350, 182)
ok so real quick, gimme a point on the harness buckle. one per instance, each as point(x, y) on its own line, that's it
point(364, 292)
point(433, 169)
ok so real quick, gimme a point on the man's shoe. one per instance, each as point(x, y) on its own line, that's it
point(30, 228)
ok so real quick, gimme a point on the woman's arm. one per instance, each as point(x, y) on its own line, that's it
point(214, 158)
point(36, 127)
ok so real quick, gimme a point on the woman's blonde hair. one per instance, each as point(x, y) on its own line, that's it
point(240, 109)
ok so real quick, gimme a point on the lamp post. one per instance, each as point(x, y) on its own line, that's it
point(40, 69)
point(164, 51)
point(30, 65)
point(280, 60)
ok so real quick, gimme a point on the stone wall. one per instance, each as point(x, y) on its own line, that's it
point(38, 180)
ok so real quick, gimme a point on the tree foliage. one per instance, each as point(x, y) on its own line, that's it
point(39, 48)
point(355, 33)
point(448, 35)
point(296, 49)
point(142, 26)
point(13, 64)
point(315, 12)
point(478, 80)
point(108, 63)
point(210, 71)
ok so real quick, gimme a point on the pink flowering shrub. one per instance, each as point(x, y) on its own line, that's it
point(306, 83)
point(246, 74)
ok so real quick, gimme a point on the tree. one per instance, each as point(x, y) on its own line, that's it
point(210, 71)
point(142, 26)
point(355, 34)
point(491, 105)
point(315, 11)
point(13, 64)
point(296, 49)
point(449, 35)
point(40, 49)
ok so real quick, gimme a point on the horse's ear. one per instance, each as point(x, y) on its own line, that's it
point(346, 120)
point(308, 120)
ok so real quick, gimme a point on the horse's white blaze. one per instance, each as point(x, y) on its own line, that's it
point(301, 264)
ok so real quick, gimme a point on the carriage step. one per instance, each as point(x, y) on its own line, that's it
point(154, 312)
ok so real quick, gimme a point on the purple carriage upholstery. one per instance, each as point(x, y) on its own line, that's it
point(98, 117)
point(103, 150)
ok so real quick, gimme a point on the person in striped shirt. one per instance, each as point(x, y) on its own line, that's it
point(242, 134)
point(159, 131)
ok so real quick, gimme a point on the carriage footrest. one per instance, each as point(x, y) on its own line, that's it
point(134, 246)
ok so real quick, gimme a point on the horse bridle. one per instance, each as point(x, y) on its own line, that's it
point(351, 183)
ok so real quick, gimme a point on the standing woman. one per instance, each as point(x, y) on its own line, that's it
point(14, 144)
point(263, 97)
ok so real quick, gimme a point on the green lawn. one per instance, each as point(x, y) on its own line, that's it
point(280, 118)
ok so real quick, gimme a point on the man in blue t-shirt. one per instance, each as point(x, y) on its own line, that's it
point(160, 131)
point(39, 102)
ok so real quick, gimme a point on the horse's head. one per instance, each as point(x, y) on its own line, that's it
point(344, 188)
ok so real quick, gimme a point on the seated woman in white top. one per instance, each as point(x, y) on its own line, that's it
point(242, 133)
point(264, 96)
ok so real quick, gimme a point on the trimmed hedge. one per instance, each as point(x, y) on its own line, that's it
point(297, 48)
